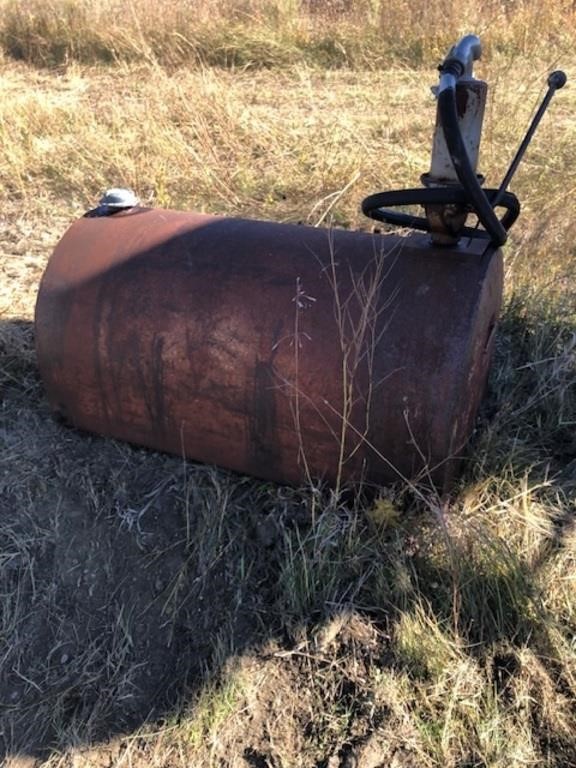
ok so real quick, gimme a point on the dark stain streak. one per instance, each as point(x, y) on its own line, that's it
point(277, 334)
point(263, 424)
point(158, 382)
point(141, 367)
point(461, 100)
point(101, 335)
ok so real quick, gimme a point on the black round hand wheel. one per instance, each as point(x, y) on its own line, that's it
point(378, 206)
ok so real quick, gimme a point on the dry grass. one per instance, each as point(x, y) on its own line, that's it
point(158, 613)
point(363, 34)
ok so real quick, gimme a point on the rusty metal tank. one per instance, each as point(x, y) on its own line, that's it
point(288, 352)
point(282, 351)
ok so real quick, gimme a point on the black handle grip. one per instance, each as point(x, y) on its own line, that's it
point(557, 79)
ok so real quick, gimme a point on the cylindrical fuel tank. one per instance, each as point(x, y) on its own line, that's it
point(283, 351)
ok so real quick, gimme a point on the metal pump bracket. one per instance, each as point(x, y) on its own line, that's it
point(452, 188)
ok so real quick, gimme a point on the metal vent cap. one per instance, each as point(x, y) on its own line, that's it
point(118, 198)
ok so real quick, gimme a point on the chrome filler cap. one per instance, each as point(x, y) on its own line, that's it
point(117, 199)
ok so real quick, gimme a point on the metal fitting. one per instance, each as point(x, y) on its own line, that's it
point(117, 199)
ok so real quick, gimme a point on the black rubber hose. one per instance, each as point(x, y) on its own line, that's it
point(378, 206)
point(461, 161)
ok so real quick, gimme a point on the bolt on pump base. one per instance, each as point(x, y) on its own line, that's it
point(287, 352)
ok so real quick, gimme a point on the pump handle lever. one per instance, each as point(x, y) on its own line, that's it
point(556, 80)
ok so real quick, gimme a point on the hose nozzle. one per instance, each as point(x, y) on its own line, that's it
point(461, 57)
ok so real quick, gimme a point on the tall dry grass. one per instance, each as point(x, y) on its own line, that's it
point(363, 34)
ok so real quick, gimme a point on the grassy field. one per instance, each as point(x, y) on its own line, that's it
point(154, 612)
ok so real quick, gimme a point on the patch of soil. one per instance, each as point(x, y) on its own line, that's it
point(122, 574)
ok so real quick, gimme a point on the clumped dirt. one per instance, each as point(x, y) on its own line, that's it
point(118, 599)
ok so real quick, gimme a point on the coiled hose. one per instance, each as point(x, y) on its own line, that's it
point(451, 69)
